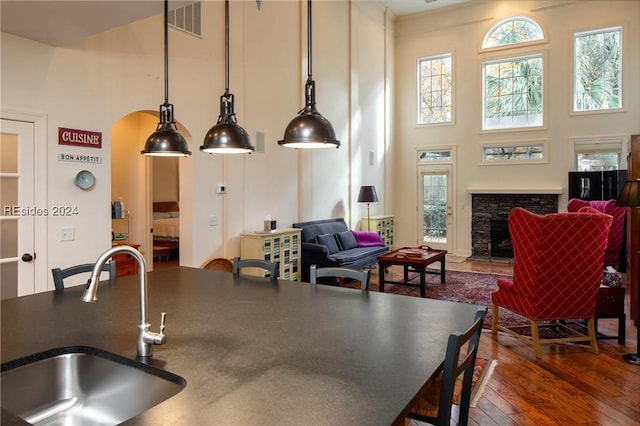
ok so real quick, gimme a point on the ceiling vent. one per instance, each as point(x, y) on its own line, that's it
point(187, 18)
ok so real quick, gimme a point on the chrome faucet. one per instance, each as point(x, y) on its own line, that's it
point(146, 338)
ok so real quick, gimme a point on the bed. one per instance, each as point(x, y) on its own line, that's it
point(166, 224)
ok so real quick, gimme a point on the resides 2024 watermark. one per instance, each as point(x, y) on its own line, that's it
point(57, 210)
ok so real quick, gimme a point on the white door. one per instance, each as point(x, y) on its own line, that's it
point(435, 211)
point(19, 210)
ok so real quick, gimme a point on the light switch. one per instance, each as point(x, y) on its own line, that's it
point(213, 220)
point(68, 234)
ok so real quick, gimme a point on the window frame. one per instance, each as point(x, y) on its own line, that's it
point(604, 140)
point(418, 115)
point(572, 97)
point(513, 144)
point(505, 20)
point(511, 56)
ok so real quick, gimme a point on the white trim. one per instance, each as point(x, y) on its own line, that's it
point(41, 267)
point(514, 190)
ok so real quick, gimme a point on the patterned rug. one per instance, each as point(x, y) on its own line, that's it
point(464, 287)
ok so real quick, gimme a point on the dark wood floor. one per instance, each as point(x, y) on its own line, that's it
point(567, 386)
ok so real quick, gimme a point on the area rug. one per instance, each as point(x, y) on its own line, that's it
point(463, 287)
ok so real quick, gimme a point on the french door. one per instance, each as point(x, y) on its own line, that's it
point(435, 211)
point(17, 219)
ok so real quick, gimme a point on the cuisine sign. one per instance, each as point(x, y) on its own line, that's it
point(84, 138)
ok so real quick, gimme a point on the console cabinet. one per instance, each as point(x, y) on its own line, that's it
point(283, 245)
point(125, 263)
point(383, 225)
point(633, 229)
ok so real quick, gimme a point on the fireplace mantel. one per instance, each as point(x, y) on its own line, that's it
point(556, 191)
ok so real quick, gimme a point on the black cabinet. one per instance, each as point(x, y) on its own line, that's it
point(605, 185)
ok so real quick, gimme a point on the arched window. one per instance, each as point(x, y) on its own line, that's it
point(513, 84)
point(513, 30)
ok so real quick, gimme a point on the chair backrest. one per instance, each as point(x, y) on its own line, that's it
point(559, 260)
point(59, 275)
point(361, 276)
point(218, 264)
point(272, 268)
point(616, 232)
point(455, 365)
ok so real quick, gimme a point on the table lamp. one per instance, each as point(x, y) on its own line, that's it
point(630, 197)
point(368, 195)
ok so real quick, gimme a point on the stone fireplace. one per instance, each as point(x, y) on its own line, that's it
point(492, 210)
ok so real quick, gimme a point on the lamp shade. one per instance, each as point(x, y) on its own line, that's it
point(367, 194)
point(630, 194)
point(166, 142)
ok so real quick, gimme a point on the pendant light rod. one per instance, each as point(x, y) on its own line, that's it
point(166, 141)
point(166, 51)
point(226, 46)
point(226, 136)
point(309, 40)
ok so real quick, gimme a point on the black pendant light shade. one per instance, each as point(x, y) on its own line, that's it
point(166, 141)
point(309, 129)
point(226, 136)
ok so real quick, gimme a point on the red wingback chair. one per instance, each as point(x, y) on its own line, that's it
point(557, 272)
point(616, 234)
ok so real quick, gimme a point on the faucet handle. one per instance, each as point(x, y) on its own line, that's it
point(163, 316)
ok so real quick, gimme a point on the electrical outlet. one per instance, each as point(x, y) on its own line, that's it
point(222, 189)
point(67, 234)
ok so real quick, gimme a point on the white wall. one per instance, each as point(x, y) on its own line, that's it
point(460, 31)
point(95, 82)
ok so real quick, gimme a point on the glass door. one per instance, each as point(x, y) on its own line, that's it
point(435, 217)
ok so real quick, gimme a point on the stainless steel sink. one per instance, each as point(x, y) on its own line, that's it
point(81, 385)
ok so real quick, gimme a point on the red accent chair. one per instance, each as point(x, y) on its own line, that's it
point(616, 234)
point(557, 273)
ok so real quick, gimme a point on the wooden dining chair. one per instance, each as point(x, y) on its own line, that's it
point(331, 272)
point(59, 275)
point(272, 269)
point(434, 407)
point(218, 264)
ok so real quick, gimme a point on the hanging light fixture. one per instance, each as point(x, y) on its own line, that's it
point(309, 129)
point(166, 141)
point(226, 137)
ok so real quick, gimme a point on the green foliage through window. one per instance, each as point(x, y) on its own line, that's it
point(513, 92)
point(598, 70)
point(513, 30)
point(513, 153)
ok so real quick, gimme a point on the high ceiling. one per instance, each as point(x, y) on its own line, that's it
point(59, 22)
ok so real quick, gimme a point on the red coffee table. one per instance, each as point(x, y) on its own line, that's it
point(414, 259)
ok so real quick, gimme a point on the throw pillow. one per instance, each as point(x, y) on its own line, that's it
point(368, 239)
point(347, 240)
point(328, 240)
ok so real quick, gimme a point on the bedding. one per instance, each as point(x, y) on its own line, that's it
point(166, 220)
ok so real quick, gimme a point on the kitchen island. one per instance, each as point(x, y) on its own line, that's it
point(253, 351)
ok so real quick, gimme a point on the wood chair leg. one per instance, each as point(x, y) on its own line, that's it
point(535, 339)
point(591, 326)
point(494, 319)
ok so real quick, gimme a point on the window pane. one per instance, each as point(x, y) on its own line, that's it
point(428, 156)
point(434, 89)
point(512, 31)
point(597, 70)
point(513, 153)
point(513, 93)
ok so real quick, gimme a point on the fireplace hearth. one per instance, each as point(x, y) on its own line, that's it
point(488, 209)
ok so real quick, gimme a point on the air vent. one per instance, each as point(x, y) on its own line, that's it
point(187, 18)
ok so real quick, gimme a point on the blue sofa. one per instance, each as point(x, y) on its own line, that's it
point(329, 242)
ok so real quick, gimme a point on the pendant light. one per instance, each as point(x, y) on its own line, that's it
point(166, 141)
point(309, 129)
point(226, 136)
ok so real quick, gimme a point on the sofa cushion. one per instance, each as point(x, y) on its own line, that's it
point(368, 239)
point(319, 227)
point(346, 257)
point(347, 240)
point(328, 240)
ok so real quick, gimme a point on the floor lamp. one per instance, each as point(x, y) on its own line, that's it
point(630, 197)
point(368, 195)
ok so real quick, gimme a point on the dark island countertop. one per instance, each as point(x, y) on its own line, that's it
point(253, 351)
